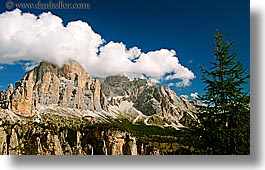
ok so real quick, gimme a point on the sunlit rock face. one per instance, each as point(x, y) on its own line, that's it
point(69, 86)
point(56, 110)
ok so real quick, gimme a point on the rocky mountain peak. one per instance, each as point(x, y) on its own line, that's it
point(43, 68)
point(114, 97)
point(73, 68)
point(68, 70)
point(48, 84)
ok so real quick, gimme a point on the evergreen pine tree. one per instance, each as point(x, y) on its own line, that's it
point(224, 126)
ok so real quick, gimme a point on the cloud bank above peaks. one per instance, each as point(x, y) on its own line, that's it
point(24, 36)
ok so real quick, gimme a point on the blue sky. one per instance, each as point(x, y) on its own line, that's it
point(187, 26)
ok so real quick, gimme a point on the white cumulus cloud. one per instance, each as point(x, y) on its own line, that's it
point(24, 36)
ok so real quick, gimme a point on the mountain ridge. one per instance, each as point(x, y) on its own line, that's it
point(70, 86)
point(64, 111)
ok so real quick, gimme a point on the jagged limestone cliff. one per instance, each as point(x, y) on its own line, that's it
point(47, 84)
point(49, 138)
point(62, 110)
point(57, 132)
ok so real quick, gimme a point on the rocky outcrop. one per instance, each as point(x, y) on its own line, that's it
point(63, 111)
point(164, 105)
point(19, 136)
point(108, 98)
point(159, 105)
point(121, 88)
point(5, 101)
point(48, 84)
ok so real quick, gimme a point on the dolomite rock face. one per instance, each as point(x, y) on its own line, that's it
point(64, 111)
point(164, 105)
point(5, 97)
point(69, 86)
point(3, 140)
point(159, 105)
point(121, 88)
point(26, 137)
